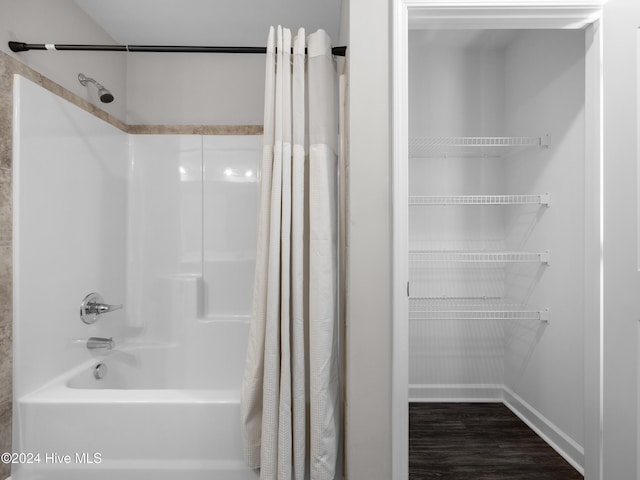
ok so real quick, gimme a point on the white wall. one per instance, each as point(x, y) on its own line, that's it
point(621, 277)
point(455, 89)
point(544, 364)
point(44, 21)
point(149, 88)
point(195, 88)
point(464, 95)
point(69, 232)
point(368, 337)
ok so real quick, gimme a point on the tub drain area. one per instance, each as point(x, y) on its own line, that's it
point(100, 370)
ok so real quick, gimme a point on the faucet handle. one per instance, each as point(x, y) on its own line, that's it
point(93, 306)
point(103, 308)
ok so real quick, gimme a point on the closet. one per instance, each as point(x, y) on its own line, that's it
point(498, 204)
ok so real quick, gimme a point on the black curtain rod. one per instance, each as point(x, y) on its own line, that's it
point(23, 47)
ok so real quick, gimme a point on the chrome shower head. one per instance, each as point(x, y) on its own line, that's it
point(104, 94)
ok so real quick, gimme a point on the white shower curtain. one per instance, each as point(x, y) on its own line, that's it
point(290, 392)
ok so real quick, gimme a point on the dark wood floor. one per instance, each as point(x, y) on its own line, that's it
point(478, 441)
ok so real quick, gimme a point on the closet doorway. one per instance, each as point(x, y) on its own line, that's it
point(497, 217)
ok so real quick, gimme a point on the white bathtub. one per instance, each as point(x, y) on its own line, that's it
point(152, 416)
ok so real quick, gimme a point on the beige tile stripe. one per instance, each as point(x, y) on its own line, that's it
point(8, 67)
point(195, 129)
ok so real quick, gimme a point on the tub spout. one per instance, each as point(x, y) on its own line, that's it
point(99, 342)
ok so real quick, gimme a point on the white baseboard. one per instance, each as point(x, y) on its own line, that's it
point(562, 443)
point(483, 392)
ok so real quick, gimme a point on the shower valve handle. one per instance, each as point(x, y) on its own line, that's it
point(93, 306)
point(99, 308)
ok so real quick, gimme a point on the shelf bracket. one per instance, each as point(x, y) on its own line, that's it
point(544, 257)
point(545, 141)
point(545, 199)
point(544, 316)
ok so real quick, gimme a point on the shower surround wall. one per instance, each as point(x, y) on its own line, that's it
point(8, 67)
point(220, 80)
point(162, 223)
point(192, 217)
point(70, 184)
point(62, 20)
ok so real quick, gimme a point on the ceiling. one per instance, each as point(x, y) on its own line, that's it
point(208, 22)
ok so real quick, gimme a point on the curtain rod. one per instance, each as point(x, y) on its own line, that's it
point(23, 47)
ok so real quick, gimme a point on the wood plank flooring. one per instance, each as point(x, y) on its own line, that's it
point(478, 441)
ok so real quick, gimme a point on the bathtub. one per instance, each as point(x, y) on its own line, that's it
point(152, 415)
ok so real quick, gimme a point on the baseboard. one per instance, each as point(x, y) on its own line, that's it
point(562, 443)
point(483, 392)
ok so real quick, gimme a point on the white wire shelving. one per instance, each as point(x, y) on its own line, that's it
point(536, 199)
point(435, 310)
point(539, 315)
point(462, 303)
point(418, 257)
point(490, 147)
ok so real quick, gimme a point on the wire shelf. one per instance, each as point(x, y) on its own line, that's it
point(477, 312)
point(539, 199)
point(539, 315)
point(472, 146)
point(456, 299)
point(434, 256)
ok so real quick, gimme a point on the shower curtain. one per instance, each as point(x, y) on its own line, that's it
point(290, 392)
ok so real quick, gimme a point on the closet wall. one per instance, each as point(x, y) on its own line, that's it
point(544, 364)
point(456, 88)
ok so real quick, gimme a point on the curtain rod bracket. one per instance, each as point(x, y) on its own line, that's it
point(18, 46)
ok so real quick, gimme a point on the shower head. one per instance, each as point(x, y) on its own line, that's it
point(104, 94)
